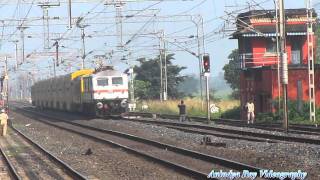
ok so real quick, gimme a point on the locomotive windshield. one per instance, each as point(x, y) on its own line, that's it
point(102, 82)
point(117, 81)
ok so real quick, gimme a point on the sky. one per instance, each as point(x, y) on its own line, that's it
point(143, 23)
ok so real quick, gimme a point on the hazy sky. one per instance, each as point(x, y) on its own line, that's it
point(141, 26)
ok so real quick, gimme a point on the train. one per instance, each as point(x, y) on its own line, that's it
point(99, 92)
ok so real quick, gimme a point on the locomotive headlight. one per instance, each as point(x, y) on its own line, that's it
point(124, 103)
point(99, 105)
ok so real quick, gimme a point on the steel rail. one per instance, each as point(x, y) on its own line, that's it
point(270, 127)
point(178, 167)
point(223, 135)
point(232, 131)
point(201, 156)
point(12, 170)
point(218, 160)
point(294, 128)
point(68, 169)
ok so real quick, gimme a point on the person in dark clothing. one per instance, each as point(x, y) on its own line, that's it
point(182, 111)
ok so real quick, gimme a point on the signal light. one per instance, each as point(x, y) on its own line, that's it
point(206, 63)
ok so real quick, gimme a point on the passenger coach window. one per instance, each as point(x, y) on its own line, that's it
point(117, 81)
point(102, 82)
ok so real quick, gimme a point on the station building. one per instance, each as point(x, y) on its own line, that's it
point(256, 35)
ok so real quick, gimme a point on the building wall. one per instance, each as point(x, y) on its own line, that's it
point(262, 83)
point(258, 50)
point(256, 85)
point(262, 86)
point(261, 58)
point(294, 76)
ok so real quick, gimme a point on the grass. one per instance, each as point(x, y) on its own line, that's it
point(228, 109)
point(193, 106)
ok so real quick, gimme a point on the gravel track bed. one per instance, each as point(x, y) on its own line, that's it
point(275, 156)
point(168, 155)
point(248, 129)
point(106, 162)
point(5, 173)
point(29, 162)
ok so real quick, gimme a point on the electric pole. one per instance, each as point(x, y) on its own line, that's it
point(56, 44)
point(284, 63)
point(82, 39)
point(56, 59)
point(161, 68)
point(197, 24)
point(7, 83)
point(70, 14)
point(165, 91)
point(16, 52)
point(22, 28)
point(206, 67)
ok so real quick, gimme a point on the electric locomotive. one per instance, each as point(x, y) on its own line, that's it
point(96, 92)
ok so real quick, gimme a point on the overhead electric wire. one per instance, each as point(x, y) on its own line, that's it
point(194, 7)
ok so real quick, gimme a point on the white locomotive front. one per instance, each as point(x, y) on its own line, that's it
point(103, 92)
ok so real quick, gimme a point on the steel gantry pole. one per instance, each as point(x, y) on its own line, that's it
point(199, 57)
point(46, 27)
point(284, 63)
point(310, 35)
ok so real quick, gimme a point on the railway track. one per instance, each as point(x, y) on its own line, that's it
point(200, 128)
point(7, 171)
point(28, 160)
point(185, 161)
point(224, 132)
point(293, 128)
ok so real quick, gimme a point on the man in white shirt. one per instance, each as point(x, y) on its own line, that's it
point(3, 122)
point(250, 111)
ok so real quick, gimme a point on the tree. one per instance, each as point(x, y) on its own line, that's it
point(141, 89)
point(190, 85)
point(149, 72)
point(232, 72)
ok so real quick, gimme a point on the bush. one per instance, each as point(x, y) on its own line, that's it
point(266, 117)
point(233, 113)
point(296, 114)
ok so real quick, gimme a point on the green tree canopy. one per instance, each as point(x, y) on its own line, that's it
point(148, 77)
point(232, 72)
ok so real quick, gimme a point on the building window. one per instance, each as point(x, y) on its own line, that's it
point(296, 52)
point(271, 46)
point(247, 47)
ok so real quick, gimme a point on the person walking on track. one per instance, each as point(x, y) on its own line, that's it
point(4, 122)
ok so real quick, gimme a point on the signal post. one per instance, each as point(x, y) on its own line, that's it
point(206, 67)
